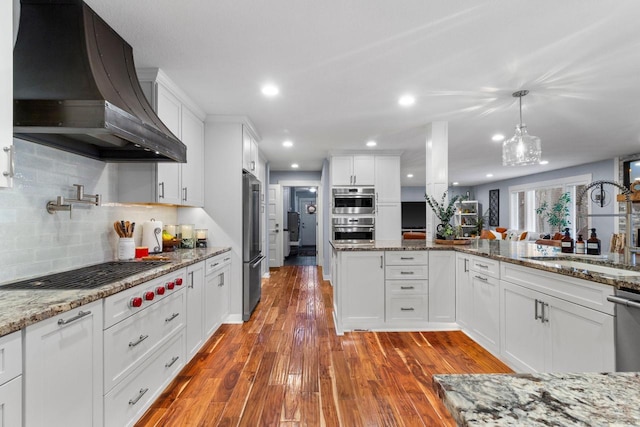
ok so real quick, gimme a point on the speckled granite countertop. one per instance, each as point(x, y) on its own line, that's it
point(586, 399)
point(20, 308)
point(528, 254)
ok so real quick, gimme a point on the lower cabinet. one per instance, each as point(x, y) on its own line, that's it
point(442, 288)
point(195, 323)
point(485, 317)
point(216, 293)
point(11, 379)
point(407, 288)
point(464, 294)
point(63, 375)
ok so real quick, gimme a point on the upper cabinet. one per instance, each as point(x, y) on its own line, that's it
point(387, 179)
point(167, 182)
point(352, 170)
point(6, 94)
point(250, 154)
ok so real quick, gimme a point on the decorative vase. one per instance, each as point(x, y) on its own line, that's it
point(441, 232)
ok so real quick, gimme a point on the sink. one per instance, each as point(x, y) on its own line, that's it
point(592, 268)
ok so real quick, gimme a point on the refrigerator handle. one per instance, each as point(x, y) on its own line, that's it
point(258, 261)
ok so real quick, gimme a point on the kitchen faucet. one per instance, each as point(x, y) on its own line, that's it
point(59, 204)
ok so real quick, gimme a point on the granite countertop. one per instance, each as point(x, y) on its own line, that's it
point(585, 399)
point(528, 254)
point(21, 308)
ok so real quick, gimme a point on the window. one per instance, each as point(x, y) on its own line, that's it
point(525, 199)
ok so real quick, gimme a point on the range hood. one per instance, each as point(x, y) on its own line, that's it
point(75, 88)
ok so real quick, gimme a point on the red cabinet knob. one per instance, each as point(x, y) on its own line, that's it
point(179, 281)
point(149, 296)
point(160, 290)
point(171, 285)
point(135, 302)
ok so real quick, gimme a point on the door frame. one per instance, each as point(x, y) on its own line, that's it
point(319, 203)
point(279, 216)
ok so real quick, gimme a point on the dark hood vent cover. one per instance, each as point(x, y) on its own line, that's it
point(75, 88)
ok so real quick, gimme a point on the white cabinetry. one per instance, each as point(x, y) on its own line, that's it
point(195, 306)
point(11, 380)
point(388, 206)
point(464, 293)
point(216, 292)
point(388, 225)
point(442, 289)
point(250, 153)
point(485, 318)
point(361, 290)
point(406, 287)
point(6, 94)
point(168, 182)
point(63, 375)
point(552, 323)
point(353, 170)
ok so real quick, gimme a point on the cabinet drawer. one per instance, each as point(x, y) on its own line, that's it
point(406, 287)
point(486, 266)
point(215, 263)
point(407, 308)
point(10, 356)
point(406, 258)
point(411, 272)
point(129, 399)
point(130, 341)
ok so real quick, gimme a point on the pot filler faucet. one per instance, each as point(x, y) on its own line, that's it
point(629, 251)
point(62, 204)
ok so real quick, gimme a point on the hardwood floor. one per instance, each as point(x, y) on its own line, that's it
point(287, 367)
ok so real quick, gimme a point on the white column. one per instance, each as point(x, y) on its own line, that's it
point(437, 165)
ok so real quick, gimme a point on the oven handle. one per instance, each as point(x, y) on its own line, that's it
point(353, 229)
point(623, 301)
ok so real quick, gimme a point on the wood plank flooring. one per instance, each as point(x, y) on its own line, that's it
point(287, 367)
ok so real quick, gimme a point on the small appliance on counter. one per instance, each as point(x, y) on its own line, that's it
point(201, 237)
point(152, 235)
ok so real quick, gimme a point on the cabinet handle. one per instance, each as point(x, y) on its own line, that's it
point(227, 259)
point(80, 315)
point(407, 258)
point(544, 319)
point(142, 338)
point(381, 261)
point(173, 316)
point(174, 359)
point(253, 165)
point(221, 283)
point(537, 316)
point(184, 191)
point(407, 309)
point(139, 396)
point(12, 164)
point(406, 272)
point(161, 195)
point(484, 279)
point(466, 265)
point(406, 288)
point(213, 265)
point(482, 266)
point(191, 285)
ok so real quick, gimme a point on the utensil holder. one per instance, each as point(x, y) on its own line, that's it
point(126, 248)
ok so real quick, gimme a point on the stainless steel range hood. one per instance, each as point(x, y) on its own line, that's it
point(75, 88)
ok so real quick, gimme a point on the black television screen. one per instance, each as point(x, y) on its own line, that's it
point(414, 215)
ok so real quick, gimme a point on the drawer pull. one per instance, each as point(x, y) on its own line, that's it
point(80, 315)
point(173, 316)
point(142, 338)
point(484, 279)
point(407, 272)
point(142, 392)
point(407, 309)
point(173, 360)
point(227, 259)
point(213, 265)
point(482, 266)
point(406, 258)
point(407, 287)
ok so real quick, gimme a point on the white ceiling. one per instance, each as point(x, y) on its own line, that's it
point(342, 64)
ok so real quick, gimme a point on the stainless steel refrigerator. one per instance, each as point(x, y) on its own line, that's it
point(251, 244)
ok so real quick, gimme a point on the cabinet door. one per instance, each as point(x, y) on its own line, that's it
point(388, 221)
point(362, 289)
point(464, 294)
point(342, 170)
point(248, 151)
point(6, 93)
point(63, 369)
point(169, 109)
point(579, 339)
point(195, 322)
point(211, 308)
point(387, 179)
point(193, 171)
point(11, 403)
point(523, 335)
point(486, 327)
point(223, 293)
point(442, 288)
point(364, 170)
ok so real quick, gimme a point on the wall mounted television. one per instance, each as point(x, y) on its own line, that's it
point(414, 215)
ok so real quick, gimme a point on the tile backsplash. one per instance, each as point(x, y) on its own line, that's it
point(35, 242)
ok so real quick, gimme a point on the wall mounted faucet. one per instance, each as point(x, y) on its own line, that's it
point(59, 204)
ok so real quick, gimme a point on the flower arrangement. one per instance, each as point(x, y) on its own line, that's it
point(444, 211)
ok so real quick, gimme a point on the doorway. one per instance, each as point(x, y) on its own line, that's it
point(301, 222)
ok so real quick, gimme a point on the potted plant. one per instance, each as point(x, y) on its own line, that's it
point(444, 211)
point(556, 215)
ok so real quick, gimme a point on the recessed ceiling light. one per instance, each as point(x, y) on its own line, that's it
point(455, 183)
point(498, 137)
point(287, 144)
point(544, 162)
point(270, 90)
point(409, 175)
point(489, 175)
point(371, 143)
point(407, 100)
point(295, 165)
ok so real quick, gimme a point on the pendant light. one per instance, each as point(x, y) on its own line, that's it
point(522, 148)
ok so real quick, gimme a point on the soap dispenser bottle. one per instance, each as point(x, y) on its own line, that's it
point(567, 242)
point(580, 245)
point(593, 244)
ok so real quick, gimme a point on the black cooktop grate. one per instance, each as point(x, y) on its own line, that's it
point(89, 277)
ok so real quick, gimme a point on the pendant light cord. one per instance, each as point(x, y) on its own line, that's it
point(520, 97)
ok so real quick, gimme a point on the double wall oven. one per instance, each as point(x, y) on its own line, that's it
point(353, 211)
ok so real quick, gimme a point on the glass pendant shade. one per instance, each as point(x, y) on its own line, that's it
point(521, 148)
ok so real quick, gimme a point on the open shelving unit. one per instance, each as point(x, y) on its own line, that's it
point(466, 216)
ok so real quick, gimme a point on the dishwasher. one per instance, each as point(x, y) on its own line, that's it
point(627, 329)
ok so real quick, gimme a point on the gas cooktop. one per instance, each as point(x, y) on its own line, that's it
point(89, 277)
